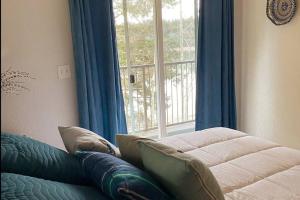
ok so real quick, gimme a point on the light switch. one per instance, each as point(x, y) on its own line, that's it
point(64, 72)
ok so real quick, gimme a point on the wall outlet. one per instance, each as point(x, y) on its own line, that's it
point(64, 72)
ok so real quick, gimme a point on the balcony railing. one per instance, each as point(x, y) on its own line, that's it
point(140, 96)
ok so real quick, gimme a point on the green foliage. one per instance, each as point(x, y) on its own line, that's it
point(140, 8)
point(142, 42)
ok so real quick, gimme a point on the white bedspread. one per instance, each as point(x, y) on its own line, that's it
point(246, 167)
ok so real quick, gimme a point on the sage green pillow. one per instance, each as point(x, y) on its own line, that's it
point(129, 149)
point(183, 175)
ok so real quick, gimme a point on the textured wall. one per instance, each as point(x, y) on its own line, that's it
point(268, 74)
point(35, 37)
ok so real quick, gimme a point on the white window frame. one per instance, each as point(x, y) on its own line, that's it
point(160, 72)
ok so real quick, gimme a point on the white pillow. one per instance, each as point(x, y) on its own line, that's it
point(76, 138)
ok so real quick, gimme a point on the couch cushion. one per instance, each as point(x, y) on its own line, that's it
point(23, 155)
point(183, 175)
point(119, 179)
point(129, 149)
point(80, 139)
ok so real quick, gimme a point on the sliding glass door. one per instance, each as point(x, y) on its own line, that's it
point(179, 63)
point(156, 46)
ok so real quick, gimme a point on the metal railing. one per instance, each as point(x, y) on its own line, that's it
point(141, 101)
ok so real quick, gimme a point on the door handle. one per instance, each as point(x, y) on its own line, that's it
point(131, 78)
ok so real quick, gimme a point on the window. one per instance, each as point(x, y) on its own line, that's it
point(156, 46)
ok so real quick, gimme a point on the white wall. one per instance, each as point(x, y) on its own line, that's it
point(268, 74)
point(35, 37)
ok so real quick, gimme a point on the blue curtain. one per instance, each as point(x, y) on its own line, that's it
point(215, 90)
point(100, 99)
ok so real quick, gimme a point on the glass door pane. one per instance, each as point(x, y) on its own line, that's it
point(179, 63)
point(135, 27)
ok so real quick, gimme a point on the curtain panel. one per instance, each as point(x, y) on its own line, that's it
point(100, 99)
point(215, 90)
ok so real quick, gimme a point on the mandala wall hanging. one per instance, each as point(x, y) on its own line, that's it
point(281, 11)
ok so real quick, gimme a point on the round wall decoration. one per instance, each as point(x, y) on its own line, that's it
point(281, 11)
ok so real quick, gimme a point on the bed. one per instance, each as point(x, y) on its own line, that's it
point(34, 170)
point(246, 167)
point(16, 186)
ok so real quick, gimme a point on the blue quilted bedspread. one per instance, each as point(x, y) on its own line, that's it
point(26, 156)
point(14, 186)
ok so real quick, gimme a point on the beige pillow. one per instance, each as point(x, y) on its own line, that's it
point(76, 138)
point(128, 146)
point(186, 177)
